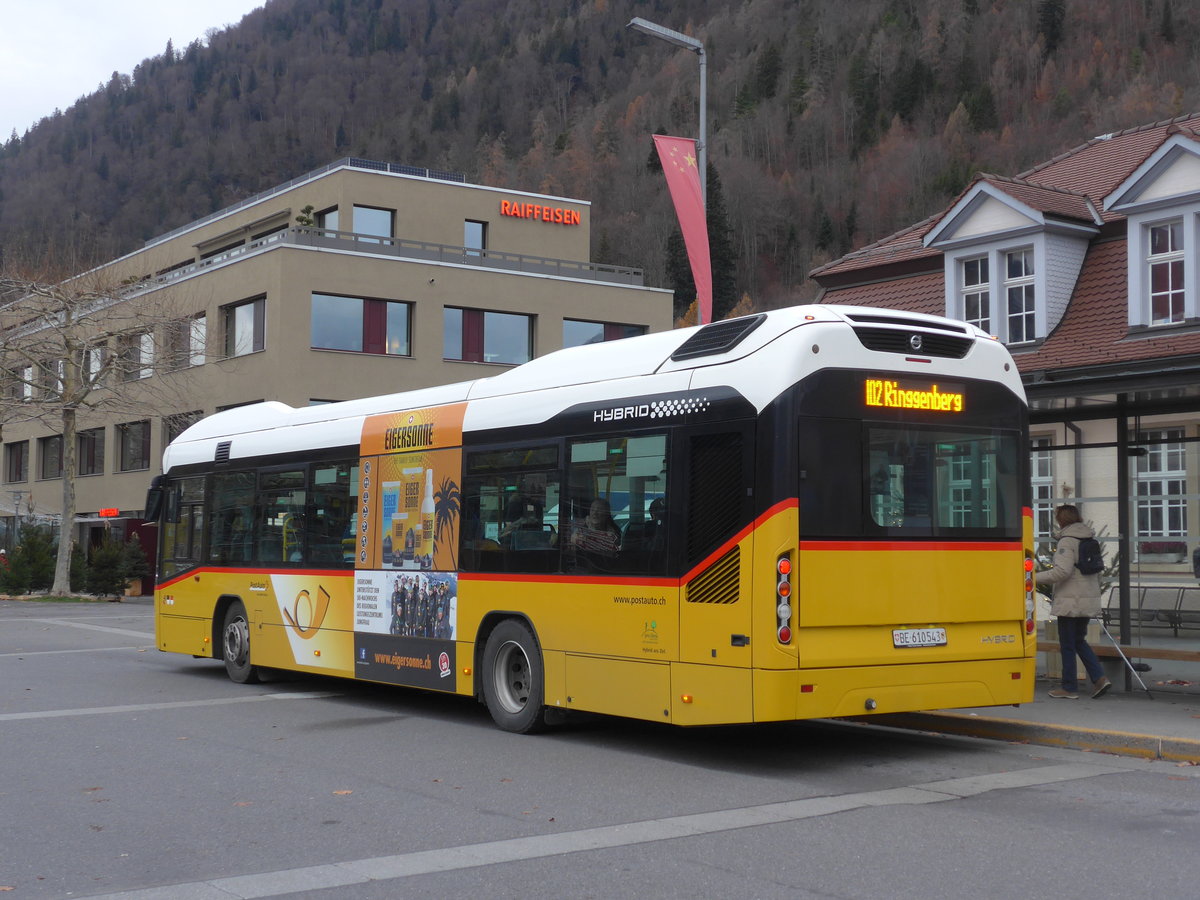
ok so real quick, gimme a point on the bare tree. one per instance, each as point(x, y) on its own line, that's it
point(76, 344)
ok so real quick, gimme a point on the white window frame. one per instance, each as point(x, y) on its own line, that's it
point(1160, 485)
point(1174, 254)
point(1140, 260)
point(1041, 470)
point(1021, 287)
point(998, 320)
point(975, 296)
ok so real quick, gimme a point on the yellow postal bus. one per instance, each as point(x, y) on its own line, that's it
point(817, 511)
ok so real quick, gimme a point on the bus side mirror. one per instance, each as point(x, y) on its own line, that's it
point(154, 498)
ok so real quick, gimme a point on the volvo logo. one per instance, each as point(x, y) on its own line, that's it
point(914, 341)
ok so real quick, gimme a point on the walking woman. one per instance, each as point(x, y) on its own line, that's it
point(1076, 600)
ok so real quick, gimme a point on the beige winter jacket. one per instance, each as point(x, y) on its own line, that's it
point(1075, 594)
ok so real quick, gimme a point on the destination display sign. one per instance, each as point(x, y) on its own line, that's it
point(890, 394)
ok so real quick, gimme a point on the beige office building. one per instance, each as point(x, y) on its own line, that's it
point(361, 278)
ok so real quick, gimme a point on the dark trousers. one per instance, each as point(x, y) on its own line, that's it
point(1072, 641)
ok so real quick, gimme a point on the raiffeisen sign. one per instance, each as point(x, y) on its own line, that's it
point(555, 215)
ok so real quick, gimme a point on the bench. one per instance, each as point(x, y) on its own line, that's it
point(1186, 611)
point(1152, 606)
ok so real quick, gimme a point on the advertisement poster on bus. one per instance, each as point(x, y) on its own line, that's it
point(404, 626)
point(409, 500)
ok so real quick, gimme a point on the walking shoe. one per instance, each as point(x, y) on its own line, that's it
point(1063, 694)
point(1100, 687)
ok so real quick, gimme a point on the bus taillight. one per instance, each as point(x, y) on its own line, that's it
point(783, 593)
point(1030, 605)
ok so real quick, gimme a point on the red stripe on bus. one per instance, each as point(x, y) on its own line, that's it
point(191, 573)
point(663, 582)
point(912, 546)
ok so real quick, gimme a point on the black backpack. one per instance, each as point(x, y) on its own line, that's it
point(1090, 558)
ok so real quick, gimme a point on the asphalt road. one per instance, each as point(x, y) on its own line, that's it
point(125, 772)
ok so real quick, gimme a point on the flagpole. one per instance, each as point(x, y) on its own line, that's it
point(697, 47)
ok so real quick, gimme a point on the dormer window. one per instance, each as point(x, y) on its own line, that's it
point(1000, 240)
point(977, 293)
point(1165, 262)
point(1160, 201)
point(1021, 295)
point(1006, 273)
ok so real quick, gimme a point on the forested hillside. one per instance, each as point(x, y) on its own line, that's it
point(831, 124)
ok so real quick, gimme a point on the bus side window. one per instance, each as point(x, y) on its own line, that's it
point(281, 519)
point(616, 521)
point(183, 524)
point(328, 520)
point(510, 501)
point(231, 523)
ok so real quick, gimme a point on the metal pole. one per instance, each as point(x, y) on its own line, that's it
point(702, 144)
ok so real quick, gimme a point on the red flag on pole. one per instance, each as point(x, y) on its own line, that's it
point(678, 157)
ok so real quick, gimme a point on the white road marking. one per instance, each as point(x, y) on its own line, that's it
point(125, 649)
point(145, 707)
point(105, 628)
point(425, 862)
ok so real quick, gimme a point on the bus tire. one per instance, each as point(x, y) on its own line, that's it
point(235, 643)
point(514, 678)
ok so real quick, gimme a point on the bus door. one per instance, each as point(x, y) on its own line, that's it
point(714, 541)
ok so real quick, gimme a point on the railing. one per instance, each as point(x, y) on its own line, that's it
point(349, 161)
point(400, 248)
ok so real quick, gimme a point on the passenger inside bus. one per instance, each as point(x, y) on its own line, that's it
point(597, 533)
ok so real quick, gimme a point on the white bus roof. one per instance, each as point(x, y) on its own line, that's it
point(534, 391)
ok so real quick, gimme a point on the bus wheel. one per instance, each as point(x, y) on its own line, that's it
point(236, 639)
point(513, 678)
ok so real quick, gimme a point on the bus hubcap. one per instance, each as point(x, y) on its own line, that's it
point(511, 677)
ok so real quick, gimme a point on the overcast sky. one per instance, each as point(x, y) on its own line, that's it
point(52, 52)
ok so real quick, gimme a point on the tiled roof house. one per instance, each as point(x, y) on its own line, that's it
point(1086, 265)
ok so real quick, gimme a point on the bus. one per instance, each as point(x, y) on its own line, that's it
point(820, 511)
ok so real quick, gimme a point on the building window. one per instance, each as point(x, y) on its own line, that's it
point(474, 335)
point(371, 223)
point(50, 462)
point(328, 219)
point(474, 237)
point(16, 461)
point(976, 293)
point(1042, 469)
point(361, 326)
point(1161, 485)
point(93, 365)
point(136, 356)
point(133, 446)
point(576, 333)
point(244, 326)
point(24, 384)
point(90, 451)
point(1165, 259)
point(177, 423)
point(186, 342)
point(1020, 292)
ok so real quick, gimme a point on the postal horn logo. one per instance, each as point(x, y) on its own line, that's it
point(307, 614)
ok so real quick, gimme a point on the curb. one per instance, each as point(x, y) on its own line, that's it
point(1120, 743)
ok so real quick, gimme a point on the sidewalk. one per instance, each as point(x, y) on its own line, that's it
point(1125, 723)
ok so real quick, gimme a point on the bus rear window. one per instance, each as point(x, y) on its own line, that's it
point(951, 482)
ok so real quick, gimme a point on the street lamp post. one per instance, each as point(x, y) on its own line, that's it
point(697, 47)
